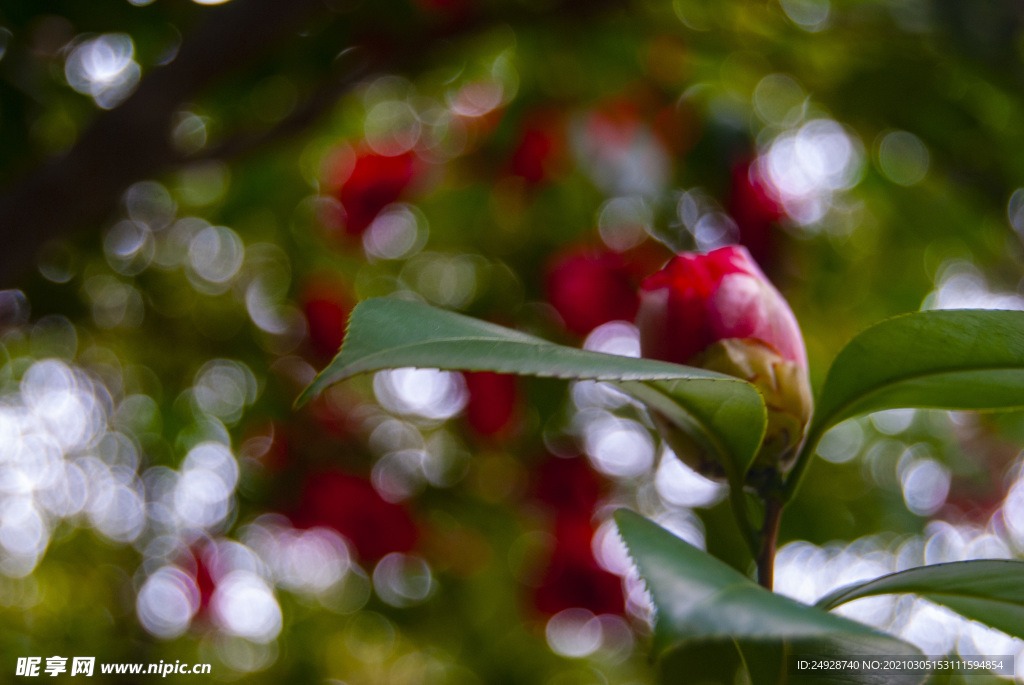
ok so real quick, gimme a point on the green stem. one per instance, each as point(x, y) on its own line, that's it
point(803, 460)
point(738, 500)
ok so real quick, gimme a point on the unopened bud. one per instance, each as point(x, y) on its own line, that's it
point(719, 312)
point(786, 391)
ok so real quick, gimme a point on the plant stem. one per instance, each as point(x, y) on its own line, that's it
point(738, 501)
point(769, 536)
point(803, 460)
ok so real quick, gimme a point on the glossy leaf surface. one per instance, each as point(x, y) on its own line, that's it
point(990, 591)
point(727, 413)
point(954, 359)
point(700, 599)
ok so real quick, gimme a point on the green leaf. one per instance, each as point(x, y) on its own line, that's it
point(700, 599)
point(990, 591)
point(715, 661)
point(955, 359)
point(726, 413)
point(952, 359)
point(722, 420)
point(387, 333)
point(766, 662)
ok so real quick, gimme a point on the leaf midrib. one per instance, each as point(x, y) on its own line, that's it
point(845, 599)
point(535, 345)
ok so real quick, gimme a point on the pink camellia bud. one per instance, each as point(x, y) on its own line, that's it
point(719, 312)
point(699, 299)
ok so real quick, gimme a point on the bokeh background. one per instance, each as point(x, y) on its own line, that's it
point(193, 196)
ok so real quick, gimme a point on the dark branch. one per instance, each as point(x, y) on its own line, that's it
point(769, 540)
point(304, 116)
point(133, 141)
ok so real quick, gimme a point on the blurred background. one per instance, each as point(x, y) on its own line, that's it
point(194, 194)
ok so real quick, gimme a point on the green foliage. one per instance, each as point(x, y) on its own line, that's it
point(938, 359)
point(700, 599)
point(243, 118)
point(990, 591)
point(387, 333)
point(390, 333)
point(954, 359)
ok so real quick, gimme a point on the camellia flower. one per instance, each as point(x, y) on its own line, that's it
point(617, 149)
point(568, 485)
point(540, 151)
point(374, 182)
point(530, 160)
point(719, 312)
point(205, 583)
point(493, 402)
point(755, 210)
point(327, 319)
point(327, 307)
point(590, 288)
point(573, 579)
point(570, 489)
point(351, 506)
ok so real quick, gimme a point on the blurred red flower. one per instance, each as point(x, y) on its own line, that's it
point(572, 583)
point(350, 505)
point(573, 578)
point(571, 489)
point(204, 579)
point(493, 402)
point(755, 210)
point(614, 125)
point(589, 288)
point(568, 485)
point(540, 149)
point(374, 182)
point(327, 306)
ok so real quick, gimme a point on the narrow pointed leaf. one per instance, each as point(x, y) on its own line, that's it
point(715, 661)
point(386, 333)
point(955, 359)
point(990, 591)
point(389, 333)
point(700, 599)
